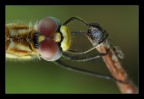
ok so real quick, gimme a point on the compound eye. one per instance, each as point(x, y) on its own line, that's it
point(48, 26)
point(49, 50)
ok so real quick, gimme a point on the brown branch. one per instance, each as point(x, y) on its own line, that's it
point(114, 65)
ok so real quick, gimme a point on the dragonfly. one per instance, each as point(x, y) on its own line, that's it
point(49, 39)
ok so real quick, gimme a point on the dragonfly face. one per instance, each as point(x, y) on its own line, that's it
point(47, 39)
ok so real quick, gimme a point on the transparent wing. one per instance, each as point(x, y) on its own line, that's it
point(119, 52)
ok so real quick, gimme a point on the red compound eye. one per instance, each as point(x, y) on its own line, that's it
point(48, 26)
point(49, 50)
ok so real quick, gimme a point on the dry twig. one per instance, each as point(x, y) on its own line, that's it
point(112, 62)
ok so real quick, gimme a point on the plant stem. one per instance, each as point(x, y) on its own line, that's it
point(115, 67)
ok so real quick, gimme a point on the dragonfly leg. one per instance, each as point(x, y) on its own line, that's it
point(79, 58)
point(81, 20)
point(84, 71)
point(90, 49)
point(75, 18)
point(78, 32)
point(81, 52)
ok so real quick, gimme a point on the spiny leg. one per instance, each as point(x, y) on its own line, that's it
point(81, 52)
point(75, 18)
point(78, 32)
point(81, 20)
point(78, 58)
point(92, 25)
point(87, 72)
point(90, 49)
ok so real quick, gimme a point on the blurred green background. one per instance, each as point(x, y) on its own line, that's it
point(120, 21)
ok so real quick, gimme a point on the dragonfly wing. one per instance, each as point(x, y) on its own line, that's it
point(119, 52)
